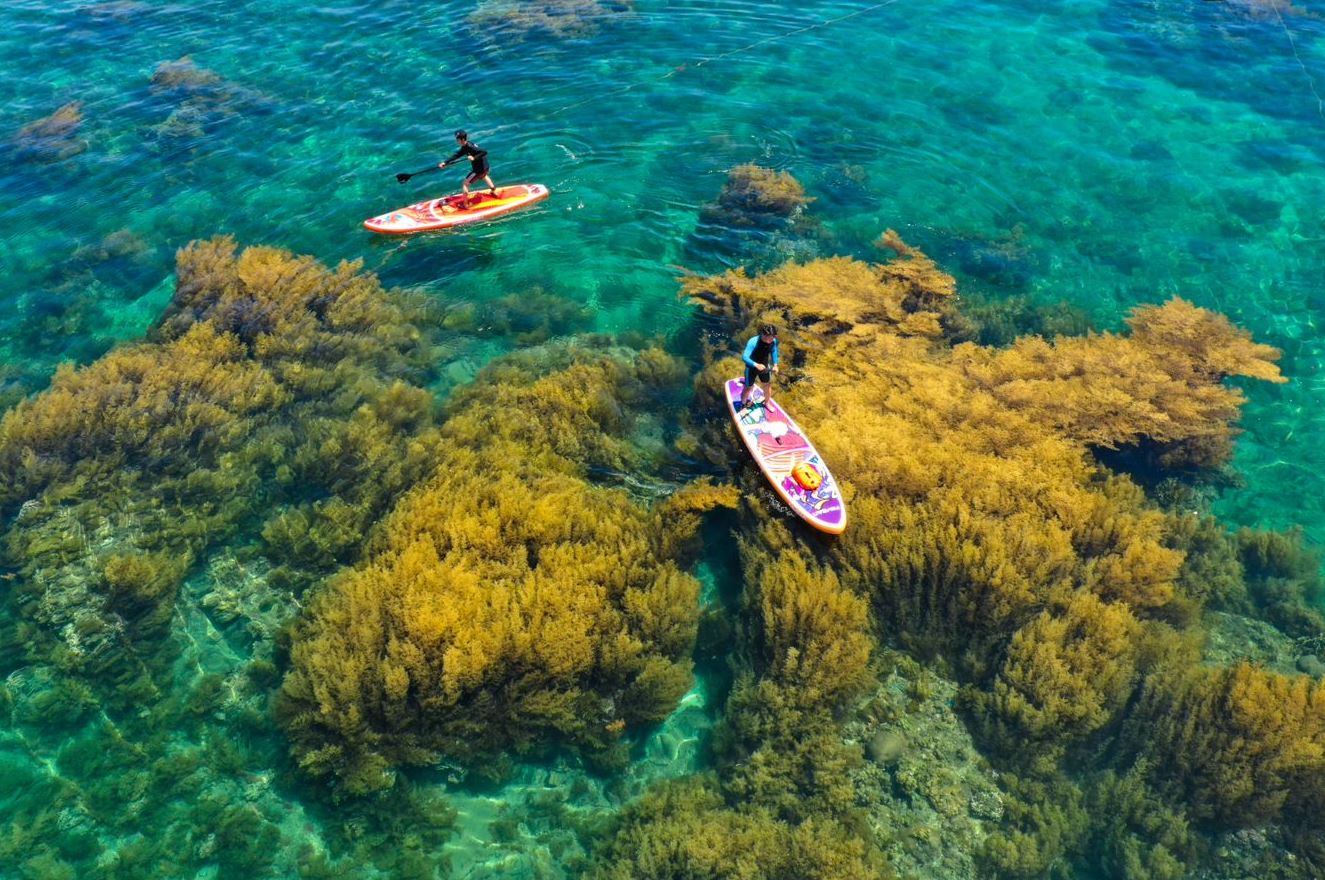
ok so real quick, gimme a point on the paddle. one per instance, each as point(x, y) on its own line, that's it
point(402, 176)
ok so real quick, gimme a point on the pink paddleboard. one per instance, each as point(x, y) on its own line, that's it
point(788, 460)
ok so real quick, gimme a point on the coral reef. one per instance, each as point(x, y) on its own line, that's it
point(509, 603)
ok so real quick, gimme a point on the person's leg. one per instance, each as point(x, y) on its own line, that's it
point(767, 388)
point(492, 187)
point(747, 387)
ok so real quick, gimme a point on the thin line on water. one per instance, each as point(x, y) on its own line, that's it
point(724, 55)
point(1311, 81)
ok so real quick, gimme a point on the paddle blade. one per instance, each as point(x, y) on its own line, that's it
point(402, 177)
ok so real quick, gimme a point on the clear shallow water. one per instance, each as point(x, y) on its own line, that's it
point(1101, 153)
point(1105, 154)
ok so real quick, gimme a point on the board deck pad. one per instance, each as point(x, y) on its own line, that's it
point(455, 210)
point(778, 446)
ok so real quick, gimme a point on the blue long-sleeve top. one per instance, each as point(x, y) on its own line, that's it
point(748, 355)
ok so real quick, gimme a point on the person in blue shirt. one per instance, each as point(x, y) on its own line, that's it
point(761, 362)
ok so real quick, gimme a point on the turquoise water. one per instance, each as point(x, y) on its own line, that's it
point(1104, 154)
point(1100, 153)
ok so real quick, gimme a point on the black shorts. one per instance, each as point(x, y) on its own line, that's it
point(766, 376)
point(477, 173)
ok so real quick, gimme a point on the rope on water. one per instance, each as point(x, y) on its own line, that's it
point(1292, 44)
point(680, 68)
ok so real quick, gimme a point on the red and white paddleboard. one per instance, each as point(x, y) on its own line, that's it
point(454, 210)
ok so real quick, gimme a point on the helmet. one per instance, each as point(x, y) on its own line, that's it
point(768, 330)
point(805, 476)
point(462, 134)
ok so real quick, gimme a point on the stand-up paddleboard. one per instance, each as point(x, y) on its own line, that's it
point(790, 462)
point(454, 210)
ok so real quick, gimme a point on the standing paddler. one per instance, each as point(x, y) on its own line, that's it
point(761, 362)
point(478, 166)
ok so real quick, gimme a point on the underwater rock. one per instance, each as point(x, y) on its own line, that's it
point(756, 196)
point(759, 219)
point(1312, 665)
point(186, 123)
point(886, 746)
point(1150, 151)
point(1003, 261)
point(118, 245)
point(532, 317)
point(1234, 637)
point(926, 773)
point(116, 10)
point(52, 138)
point(186, 75)
point(199, 100)
point(1285, 158)
point(543, 19)
point(848, 186)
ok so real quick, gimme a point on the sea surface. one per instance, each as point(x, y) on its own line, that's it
point(1101, 153)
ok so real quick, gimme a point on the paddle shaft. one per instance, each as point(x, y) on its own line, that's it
point(404, 177)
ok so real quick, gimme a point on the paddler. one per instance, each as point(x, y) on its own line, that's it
point(478, 163)
point(761, 362)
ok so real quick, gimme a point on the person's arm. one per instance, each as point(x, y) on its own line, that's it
point(456, 155)
point(774, 357)
point(748, 354)
point(476, 153)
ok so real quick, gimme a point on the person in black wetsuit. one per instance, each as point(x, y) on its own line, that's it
point(761, 362)
point(478, 163)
